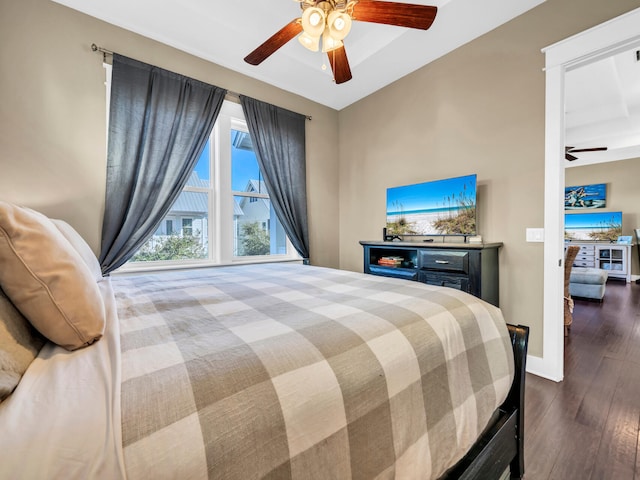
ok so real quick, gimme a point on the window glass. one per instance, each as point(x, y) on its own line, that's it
point(183, 233)
point(253, 212)
point(201, 173)
point(223, 213)
point(257, 229)
point(187, 226)
point(244, 165)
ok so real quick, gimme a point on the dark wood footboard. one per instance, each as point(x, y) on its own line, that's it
point(502, 445)
point(515, 400)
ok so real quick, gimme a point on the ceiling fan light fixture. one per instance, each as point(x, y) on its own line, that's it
point(307, 41)
point(339, 24)
point(313, 21)
point(329, 43)
point(332, 20)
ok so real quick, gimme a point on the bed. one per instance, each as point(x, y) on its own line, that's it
point(257, 371)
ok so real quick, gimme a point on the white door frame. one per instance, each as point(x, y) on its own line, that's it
point(601, 41)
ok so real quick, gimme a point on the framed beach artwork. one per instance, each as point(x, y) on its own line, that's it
point(585, 196)
point(604, 226)
point(440, 207)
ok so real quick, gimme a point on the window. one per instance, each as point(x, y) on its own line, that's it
point(223, 214)
point(187, 227)
point(254, 210)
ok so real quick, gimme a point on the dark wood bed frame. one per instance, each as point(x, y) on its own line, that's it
point(501, 446)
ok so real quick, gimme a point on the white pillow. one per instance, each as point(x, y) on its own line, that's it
point(79, 244)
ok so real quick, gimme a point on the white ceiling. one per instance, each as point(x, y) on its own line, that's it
point(224, 32)
point(602, 108)
point(602, 99)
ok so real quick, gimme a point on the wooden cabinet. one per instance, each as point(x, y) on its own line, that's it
point(614, 258)
point(472, 268)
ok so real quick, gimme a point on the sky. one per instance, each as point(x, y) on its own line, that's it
point(430, 195)
point(244, 167)
point(592, 220)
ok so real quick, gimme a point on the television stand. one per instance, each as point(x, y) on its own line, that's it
point(469, 267)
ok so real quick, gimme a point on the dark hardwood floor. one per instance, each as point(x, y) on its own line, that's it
point(588, 426)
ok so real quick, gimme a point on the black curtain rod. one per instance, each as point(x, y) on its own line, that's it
point(105, 52)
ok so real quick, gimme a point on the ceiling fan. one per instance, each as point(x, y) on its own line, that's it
point(569, 150)
point(330, 21)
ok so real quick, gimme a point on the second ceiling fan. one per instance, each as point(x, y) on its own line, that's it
point(329, 22)
point(569, 150)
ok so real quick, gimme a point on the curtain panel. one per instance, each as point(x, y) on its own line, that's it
point(159, 123)
point(278, 137)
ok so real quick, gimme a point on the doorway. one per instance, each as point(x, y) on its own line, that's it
point(594, 44)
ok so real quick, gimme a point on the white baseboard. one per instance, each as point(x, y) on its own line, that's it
point(537, 366)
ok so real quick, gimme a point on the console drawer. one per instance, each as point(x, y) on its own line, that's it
point(444, 260)
point(394, 272)
point(585, 263)
point(460, 282)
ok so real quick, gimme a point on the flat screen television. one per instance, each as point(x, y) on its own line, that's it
point(601, 226)
point(440, 207)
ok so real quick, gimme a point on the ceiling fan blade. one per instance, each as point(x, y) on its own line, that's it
point(339, 65)
point(394, 13)
point(274, 42)
point(570, 157)
point(595, 149)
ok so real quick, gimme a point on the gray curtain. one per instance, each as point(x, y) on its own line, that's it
point(278, 137)
point(159, 122)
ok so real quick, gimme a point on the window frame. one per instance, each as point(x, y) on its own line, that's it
point(220, 249)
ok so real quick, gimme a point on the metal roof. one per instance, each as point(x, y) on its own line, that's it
point(191, 202)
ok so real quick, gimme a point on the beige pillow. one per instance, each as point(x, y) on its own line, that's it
point(47, 279)
point(79, 244)
point(19, 345)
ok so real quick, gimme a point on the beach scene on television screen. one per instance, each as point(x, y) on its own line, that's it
point(605, 226)
point(585, 196)
point(442, 207)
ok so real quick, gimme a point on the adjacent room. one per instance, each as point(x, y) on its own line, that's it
point(316, 239)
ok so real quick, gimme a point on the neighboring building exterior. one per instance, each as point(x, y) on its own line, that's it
point(259, 210)
point(188, 216)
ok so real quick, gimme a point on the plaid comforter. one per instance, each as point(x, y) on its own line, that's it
point(289, 371)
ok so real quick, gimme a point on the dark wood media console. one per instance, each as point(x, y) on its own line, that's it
point(470, 267)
